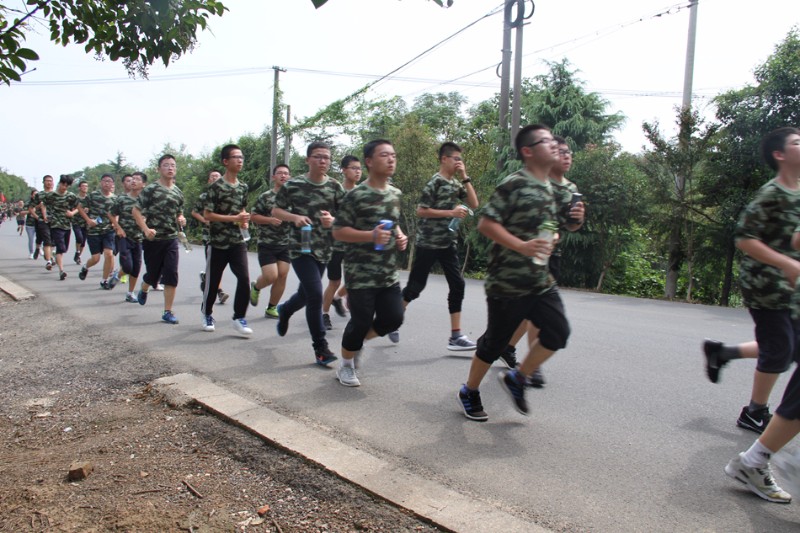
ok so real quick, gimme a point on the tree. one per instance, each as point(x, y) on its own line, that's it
point(13, 187)
point(319, 3)
point(138, 32)
point(442, 113)
point(558, 99)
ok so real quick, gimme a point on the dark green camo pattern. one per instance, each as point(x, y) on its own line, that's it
point(161, 206)
point(224, 198)
point(267, 233)
point(99, 206)
point(439, 193)
point(363, 208)
point(123, 208)
point(771, 218)
point(521, 203)
point(57, 206)
point(300, 196)
point(199, 207)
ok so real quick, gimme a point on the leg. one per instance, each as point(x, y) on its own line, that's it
point(238, 264)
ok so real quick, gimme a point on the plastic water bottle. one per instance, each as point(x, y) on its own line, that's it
point(305, 239)
point(387, 225)
point(99, 220)
point(245, 233)
point(187, 246)
point(547, 231)
point(456, 222)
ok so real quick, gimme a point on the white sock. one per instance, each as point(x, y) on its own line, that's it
point(348, 362)
point(757, 456)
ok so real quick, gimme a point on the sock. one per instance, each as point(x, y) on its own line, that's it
point(271, 305)
point(454, 334)
point(348, 362)
point(757, 456)
point(753, 407)
point(728, 353)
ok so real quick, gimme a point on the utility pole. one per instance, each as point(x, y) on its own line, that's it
point(688, 73)
point(276, 108)
point(287, 141)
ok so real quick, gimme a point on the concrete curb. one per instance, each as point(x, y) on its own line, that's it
point(17, 292)
point(431, 501)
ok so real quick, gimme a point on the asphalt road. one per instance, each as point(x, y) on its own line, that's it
point(628, 434)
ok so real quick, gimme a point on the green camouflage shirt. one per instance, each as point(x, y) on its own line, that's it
point(301, 196)
point(161, 206)
point(521, 203)
point(77, 220)
point(37, 200)
point(199, 208)
point(123, 208)
point(267, 233)
point(563, 193)
point(57, 206)
point(99, 206)
point(771, 218)
point(363, 208)
point(224, 198)
point(439, 193)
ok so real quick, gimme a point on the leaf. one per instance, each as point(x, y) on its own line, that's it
point(27, 53)
point(318, 3)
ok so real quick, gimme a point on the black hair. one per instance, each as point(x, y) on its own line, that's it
point(369, 148)
point(66, 179)
point(525, 137)
point(226, 151)
point(141, 175)
point(346, 160)
point(165, 157)
point(281, 165)
point(775, 141)
point(448, 148)
point(316, 144)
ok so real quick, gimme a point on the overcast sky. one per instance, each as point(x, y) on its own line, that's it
point(74, 111)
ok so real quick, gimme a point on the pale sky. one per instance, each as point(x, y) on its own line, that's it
point(74, 111)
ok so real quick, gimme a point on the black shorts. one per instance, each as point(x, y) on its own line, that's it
point(104, 241)
point(777, 336)
point(335, 266)
point(60, 239)
point(269, 255)
point(43, 233)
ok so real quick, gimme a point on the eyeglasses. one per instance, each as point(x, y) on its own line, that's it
point(455, 158)
point(284, 173)
point(169, 165)
point(565, 152)
point(236, 157)
point(320, 157)
point(542, 141)
point(355, 169)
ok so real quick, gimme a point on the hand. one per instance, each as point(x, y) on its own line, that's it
point(402, 241)
point(242, 218)
point(381, 236)
point(459, 212)
point(149, 234)
point(792, 271)
point(577, 213)
point(300, 221)
point(121, 233)
point(92, 223)
point(326, 219)
point(70, 214)
point(181, 220)
point(272, 221)
point(461, 170)
point(536, 247)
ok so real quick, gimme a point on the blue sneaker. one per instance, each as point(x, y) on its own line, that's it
point(169, 318)
point(323, 355)
point(141, 297)
point(514, 384)
point(283, 321)
point(113, 280)
point(471, 404)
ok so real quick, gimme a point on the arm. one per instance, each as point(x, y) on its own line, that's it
point(265, 220)
point(239, 218)
point(199, 217)
point(89, 222)
point(499, 234)
point(429, 212)
point(764, 254)
point(149, 233)
point(286, 216)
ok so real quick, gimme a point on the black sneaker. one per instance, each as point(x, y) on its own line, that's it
point(283, 321)
point(105, 286)
point(536, 380)
point(82, 273)
point(202, 282)
point(323, 355)
point(712, 350)
point(36, 253)
point(338, 306)
point(509, 357)
point(77, 258)
point(62, 275)
point(471, 404)
point(326, 321)
point(754, 421)
point(514, 384)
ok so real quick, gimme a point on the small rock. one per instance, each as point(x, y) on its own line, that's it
point(79, 470)
point(264, 509)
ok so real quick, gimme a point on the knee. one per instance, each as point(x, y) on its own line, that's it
point(555, 337)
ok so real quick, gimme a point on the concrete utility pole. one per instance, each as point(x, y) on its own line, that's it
point(688, 73)
point(276, 108)
point(287, 141)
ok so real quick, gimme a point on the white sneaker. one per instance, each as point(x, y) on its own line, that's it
point(158, 287)
point(208, 323)
point(758, 480)
point(240, 325)
point(347, 376)
point(460, 344)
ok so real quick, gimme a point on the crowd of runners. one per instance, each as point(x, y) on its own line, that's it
point(313, 223)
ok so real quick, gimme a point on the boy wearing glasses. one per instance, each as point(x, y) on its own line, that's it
point(516, 287)
point(310, 200)
point(95, 211)
point(441, 201)
point(159, 214)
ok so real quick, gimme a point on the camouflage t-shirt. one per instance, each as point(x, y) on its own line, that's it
point(363, 208)
point(123, 208)
point(77, 220)
point(771, 218)
point(57, 206)
point(161, 206)
point(224, 198)
point(563, 193)
point(301, 196)
point(521, 203)
point(37, 200)
point(199, 208)
point(98, 206)
point(267, 233)
point(439, 193)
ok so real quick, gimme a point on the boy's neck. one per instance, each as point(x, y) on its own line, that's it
point(538, 170)
point(316, 178)
point(378, 182)
point(789, 178)
point(231, 177)
point(349, 185)
point(557, 178)
point(447, 175)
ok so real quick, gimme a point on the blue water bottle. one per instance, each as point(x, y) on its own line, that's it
point(305, 239)
point(387, 225)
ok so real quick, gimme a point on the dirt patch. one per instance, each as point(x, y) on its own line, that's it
point(70, 392)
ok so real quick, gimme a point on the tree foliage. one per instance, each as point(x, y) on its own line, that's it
point(13, 187)
point(137, 32)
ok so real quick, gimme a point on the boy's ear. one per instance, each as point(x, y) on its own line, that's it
point(778, 155)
